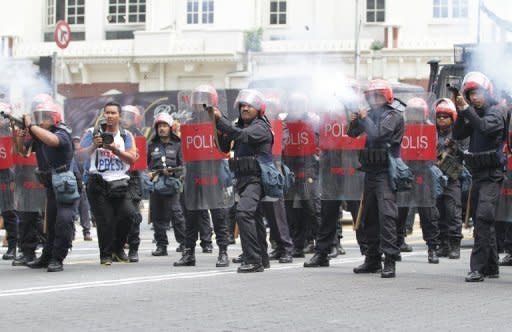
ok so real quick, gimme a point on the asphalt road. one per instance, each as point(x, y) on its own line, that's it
point(152, 295)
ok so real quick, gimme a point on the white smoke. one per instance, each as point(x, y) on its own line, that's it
point(19, 83)
point(495, 61)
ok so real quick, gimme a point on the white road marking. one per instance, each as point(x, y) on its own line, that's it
point(157, 278)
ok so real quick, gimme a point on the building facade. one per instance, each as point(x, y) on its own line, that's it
point(154, 45)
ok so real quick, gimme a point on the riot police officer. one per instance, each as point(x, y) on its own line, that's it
point(164, 162)
point(450, 155)
point(252, 137)
point(383, 124)
point(54, 152)
point(480, 118)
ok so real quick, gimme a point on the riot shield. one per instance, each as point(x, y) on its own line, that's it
point(208, 183)
point(340, 177)
point(419, 151)
point(29, 193)
point(141, 161)
point(300, 154)
point(6, 169)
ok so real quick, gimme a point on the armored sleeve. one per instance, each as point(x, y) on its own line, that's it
point(461, 129)
point(257, 132)
point(354, 129)
point(489, 124)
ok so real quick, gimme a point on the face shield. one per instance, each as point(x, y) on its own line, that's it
point(44, 117)
point(201, 98)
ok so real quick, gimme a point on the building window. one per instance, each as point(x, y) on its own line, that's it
point(460, 8)
point(450, 8)
point(195, 11)
point(440, 9)
point(192, 11)
point(126, 11)
point(71, 11)
point(375, 11)
point(207, 15)
point(278, 12)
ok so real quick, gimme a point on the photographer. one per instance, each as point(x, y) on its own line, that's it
point(112, 151)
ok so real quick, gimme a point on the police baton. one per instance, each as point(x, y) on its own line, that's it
point(357, 223)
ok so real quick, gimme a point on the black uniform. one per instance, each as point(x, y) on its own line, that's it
point(303, 198)
point(251, 142)
point(384, 128)
point(449, 204)
point(59, 216)
point(485, 160)
point(165, 208)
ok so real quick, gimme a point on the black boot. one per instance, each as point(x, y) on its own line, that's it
point(474, 276)
point(444, 248)
point(334, 252)
point(274, 255)
point(432, 256)
point(389, 267)
point(39, 263)
point(318, 260)
point(286, 258)
point(23, 259)
point(120, 256)
point(238, 259)
point(160, 251)
point(341, 250)
point(309, 247)
point(250, 268)
point(180, 248)
point(370, 265)
point(55, 265)
point(222, 260)
point(10, 254)
point(298, 253)
point(455, 249)
point(507, 260)
point(188, 258)
point(133, 255)
point(405, 247)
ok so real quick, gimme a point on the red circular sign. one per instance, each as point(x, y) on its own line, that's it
point(62, 34)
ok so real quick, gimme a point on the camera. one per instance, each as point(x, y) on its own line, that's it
point(108, 138)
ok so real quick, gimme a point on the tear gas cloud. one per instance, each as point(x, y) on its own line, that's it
point(19, 83)
point(495, 61)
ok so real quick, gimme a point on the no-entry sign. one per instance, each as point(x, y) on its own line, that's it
point(62, 34)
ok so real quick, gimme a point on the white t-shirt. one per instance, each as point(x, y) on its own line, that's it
point(105, 163)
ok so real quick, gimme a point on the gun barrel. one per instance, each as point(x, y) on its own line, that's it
point(17, 121)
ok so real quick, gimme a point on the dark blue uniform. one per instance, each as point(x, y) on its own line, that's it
point(485, 160)
point(251, 142)
point(59, 216)
point(384, 128)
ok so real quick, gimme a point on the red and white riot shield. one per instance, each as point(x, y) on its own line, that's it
point(141, 162)
point(301, 156)
point(340, 178)
point(419, 152)
point(208, 183)
point(6, 170)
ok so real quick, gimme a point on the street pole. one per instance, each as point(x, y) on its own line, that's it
point(478, 22)
point(356, 40)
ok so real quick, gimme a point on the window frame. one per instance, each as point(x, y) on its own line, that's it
point(461, 6)
point(375, 12)
point(198, 12)
point(278, 13)
point(127, 13)
point(51, 13)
